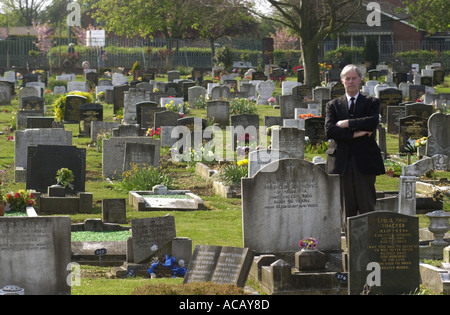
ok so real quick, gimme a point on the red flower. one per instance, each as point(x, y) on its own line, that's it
point(17, 195)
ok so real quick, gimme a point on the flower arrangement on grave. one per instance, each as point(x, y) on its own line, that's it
point(297, 68)
point(309, 115)
point(20, 200)
point(101, 95)
point(421, 142)
point(154, 133)
point(309, 243)
point(65, 177)
point(271, 100)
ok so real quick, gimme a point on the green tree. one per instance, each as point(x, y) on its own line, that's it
point(312, 21)
point(28, 11)
point(429, 15)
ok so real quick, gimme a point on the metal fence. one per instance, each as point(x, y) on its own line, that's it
point(169, 54)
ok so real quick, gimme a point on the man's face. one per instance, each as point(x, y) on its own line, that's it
point(351, 82)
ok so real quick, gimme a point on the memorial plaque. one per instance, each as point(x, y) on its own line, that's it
point(151, 234)
point(39, 122)
point(258, 75)
point(315, 130)
point(383, 249)
point(411, 129)
point(44, 160)
point(438, 77)
point(222, 265)
point(72, 111)
point(425, 80)
point(32, 103)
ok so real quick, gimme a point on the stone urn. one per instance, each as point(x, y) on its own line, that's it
point(310, 260)
point(439, 226)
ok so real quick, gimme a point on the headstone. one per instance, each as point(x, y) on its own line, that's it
point(337, 90)
point(221, 265)
point(5, 94)
point(389, 97)
point(114, 211)
point(419, 109)
point(119, 96)
point(416, 92)
point(411, 129)
point(89, 112)
point(438, 77)
point(39, 86)
point(195, 93)
point(26, 92)
point(77, 86)
point(98, 126)
point(39, 122)
point(132, 97)
point(264, 91)
point(72, 111)
point(43, 161)
point(140, 106)
point(166, 118)
point(288, 104)
point(219, 112)
point(315, 130)
point(257, 159)
point(118, 79)
point(220, 92)
point(426, 80)
point(438, 141)
point(33, 137)
point(321, 93)
point(383, 249)
point(32, 103)
point(149, 235)
point(173, 75)
point(59, 89)
point(114, 152)
point(304, 91)
point(36, 254)
point(147, 116)
point(129, 131)
point(287, 86)
point(394, 113)
point(140, 154)
point(294, 189)
point(289, 139)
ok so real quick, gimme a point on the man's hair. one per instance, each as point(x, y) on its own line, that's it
point(348, 68)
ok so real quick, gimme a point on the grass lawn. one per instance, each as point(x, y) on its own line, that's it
point(220, 224)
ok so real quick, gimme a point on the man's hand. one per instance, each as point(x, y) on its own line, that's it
point(342, 123)
point(358, 134)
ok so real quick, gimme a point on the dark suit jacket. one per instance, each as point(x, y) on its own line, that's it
point(364, 150)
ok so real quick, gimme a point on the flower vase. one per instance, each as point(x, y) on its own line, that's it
point(310, 260)
point(2, 209)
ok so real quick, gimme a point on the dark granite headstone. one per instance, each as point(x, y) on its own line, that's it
point(119, 91)
point(383, 250)
point(44, 160)
point(39, 122)
point(438, 77)
point(389, 97)
point(222, 265)
point(411, 129)
point(258, 75)
point(32, 102)
point(89, 112)
point(147, 116)
point(72, 111)
point(315, 130)
point(416, 92)
point(428, 81)
point(304, 91)
point(166, 118)
point(394, 113)
point(419, 109)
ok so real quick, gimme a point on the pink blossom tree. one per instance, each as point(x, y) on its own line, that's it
point(44, 32)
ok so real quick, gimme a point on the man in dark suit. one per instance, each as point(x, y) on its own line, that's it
point(350, 123)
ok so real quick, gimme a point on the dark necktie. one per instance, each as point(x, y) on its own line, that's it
point(352, 106)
